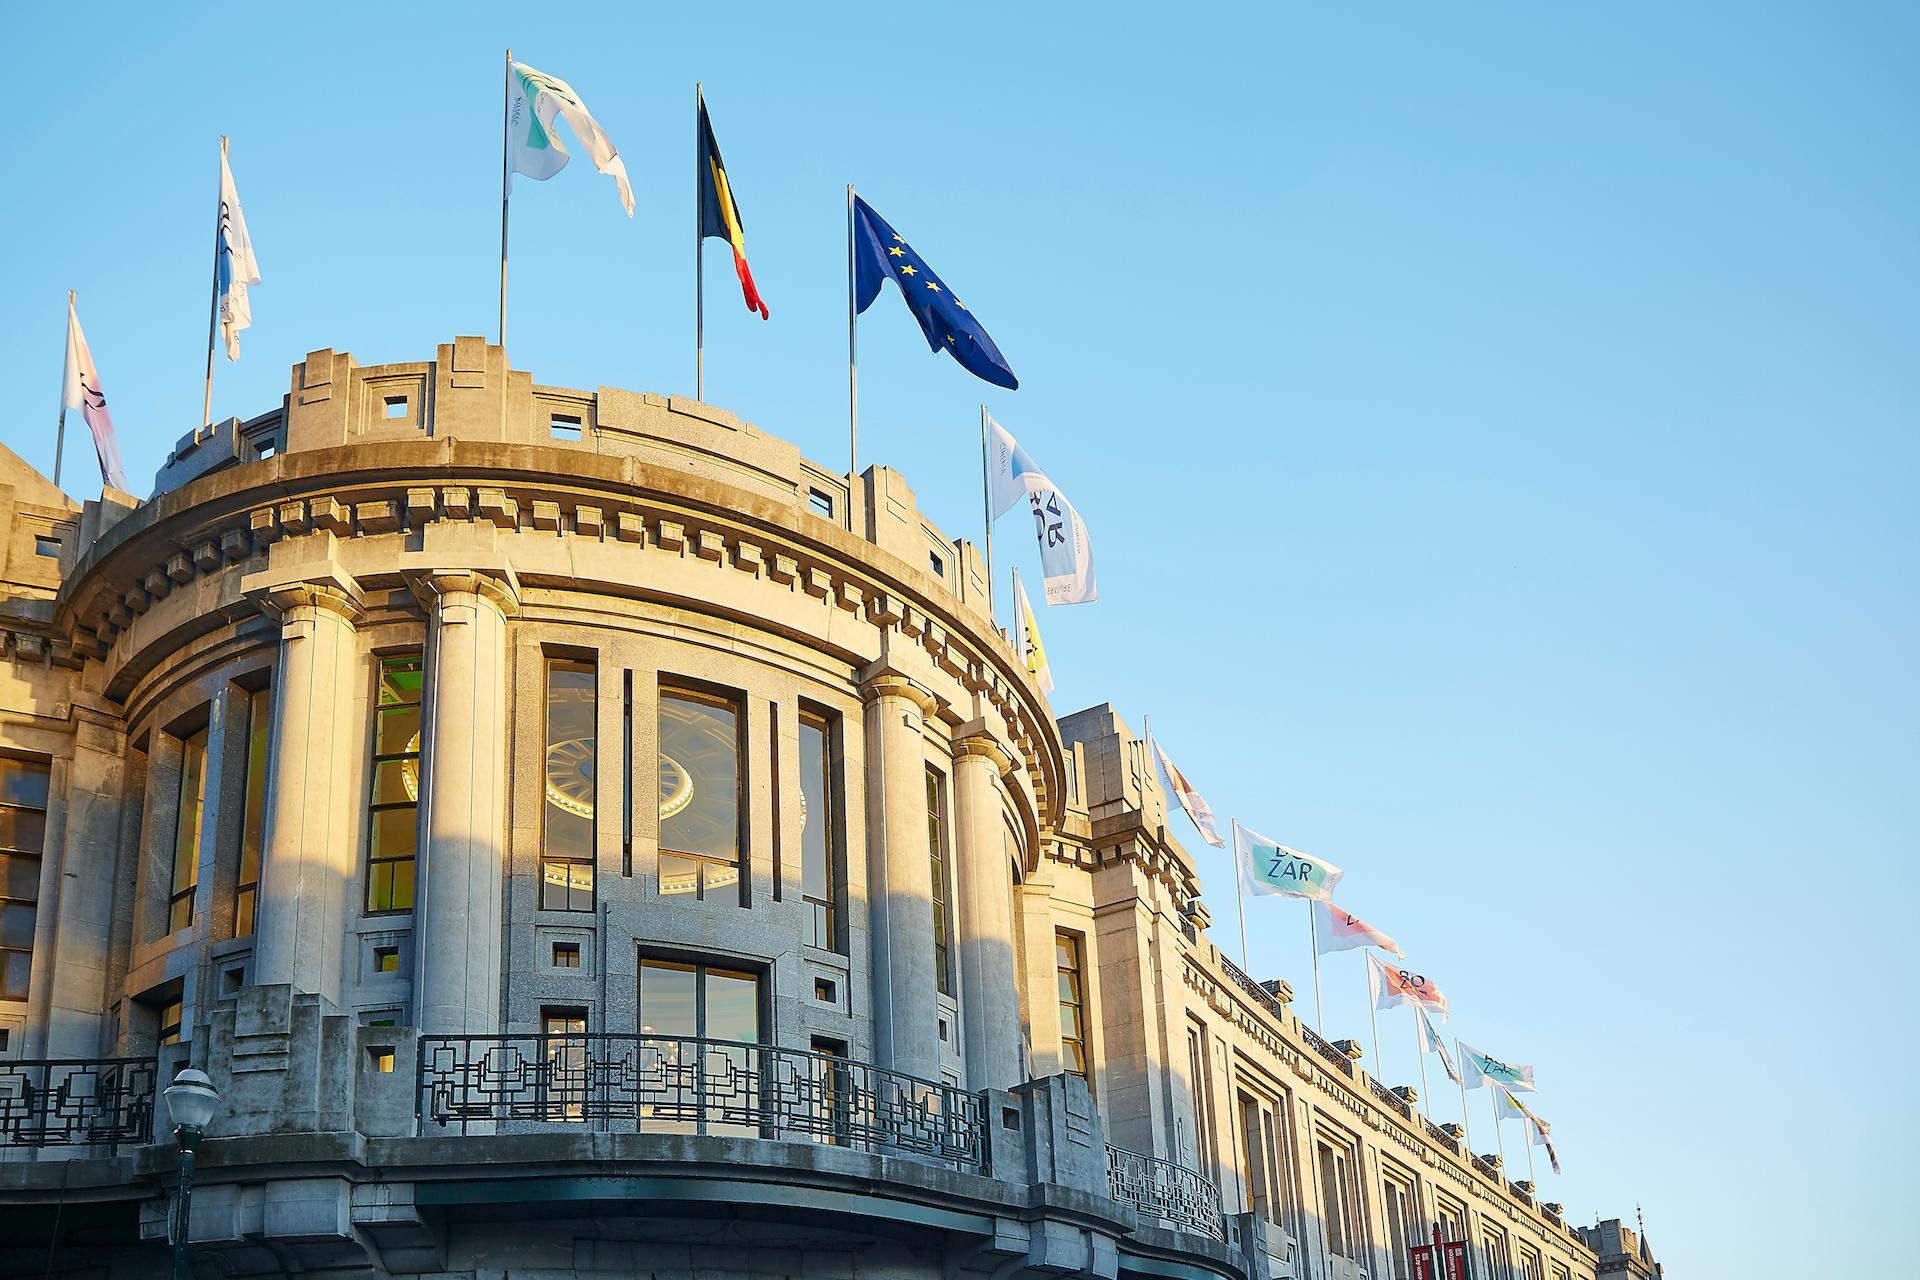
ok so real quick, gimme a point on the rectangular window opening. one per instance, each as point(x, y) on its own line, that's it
point(396, 407)
point(1069, 967)
point(564, 426)
point(23, 834)
point(825, 991)
point(821, 502)
point(380, 1058)
point(186, 830)
point(45, 546)
point(393, 809)
point(566, 955)
point(571, 786)
point(935, 563)
point(822, 844)
point(937, 854)
point(386, 959)
point(246, 893)
point(702, 795)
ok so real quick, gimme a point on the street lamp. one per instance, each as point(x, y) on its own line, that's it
point(191, 1099)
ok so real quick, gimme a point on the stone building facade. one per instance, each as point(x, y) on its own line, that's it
point(578, 834)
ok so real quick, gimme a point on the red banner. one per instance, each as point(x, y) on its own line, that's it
point(1452, 1262)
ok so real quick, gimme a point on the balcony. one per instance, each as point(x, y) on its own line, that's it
point(76, 1102)
point(683, 1084)
point(1161, 1189)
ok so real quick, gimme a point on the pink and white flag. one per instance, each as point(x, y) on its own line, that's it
point(1198, 810)
point(1396, 984)
point(1338, 930)
point(81, 390)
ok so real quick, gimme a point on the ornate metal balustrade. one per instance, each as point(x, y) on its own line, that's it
point(66, 1102)
point(1260, 994)
point(1327, 1051)
point(1391, 1100)
point(680, 1084)
point(1442, 1137)
point(1162, 1189)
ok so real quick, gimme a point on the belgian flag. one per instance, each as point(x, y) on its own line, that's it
point(719, 215)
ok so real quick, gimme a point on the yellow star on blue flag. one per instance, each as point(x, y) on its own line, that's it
point(879, 255)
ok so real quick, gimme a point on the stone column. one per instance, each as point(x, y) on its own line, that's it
point(990, 996)
point(464, 767)
point(906, 1017)
point(310, 864)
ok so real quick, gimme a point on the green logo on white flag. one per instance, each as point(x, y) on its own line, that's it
point(1271, 867)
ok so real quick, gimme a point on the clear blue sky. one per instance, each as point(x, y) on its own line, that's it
point(1496, 426)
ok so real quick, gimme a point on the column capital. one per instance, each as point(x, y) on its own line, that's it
point(498, 587)
point(974, 741)
point(341, 598)
point(885, 681)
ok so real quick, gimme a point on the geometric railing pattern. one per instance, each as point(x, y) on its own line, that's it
point(59, 1102)
point(1391, 1100)
point(1327, 1051)
point(682, 1084)
point(1165, 1190)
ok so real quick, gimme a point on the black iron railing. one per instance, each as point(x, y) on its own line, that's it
point(682, 1084)
point(1327, 1051)
point(1260, 995)
point(1441, 1136)
point(66, 1102)
point(1162, 1189)
point(1391, 1100)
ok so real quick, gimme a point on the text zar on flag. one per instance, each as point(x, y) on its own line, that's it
point(80, 389)
point(1198, 810)
point(238, 268)
point(1031, 648)
point(719, 215)
point(1269, 867)
point(1483, 1068)
point(1397, 984)
point(1430, 1042)
point(1335, 929)
point(880, 255)
point(534, 99)
point(1066, 553)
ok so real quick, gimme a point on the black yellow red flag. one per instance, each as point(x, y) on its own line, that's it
point(719, 215)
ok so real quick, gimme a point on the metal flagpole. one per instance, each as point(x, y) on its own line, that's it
point(1319, 1010)
point(1499, 1135)
point(1526, 1127)
point(1466, 1125)
point(853, 374)
point(699, 254)
point(506, 179)
point(60, 432)
point(986, 506)
point(213, 307)
point(1420, 1051)
point(1373, 1009)
point(1240, 899)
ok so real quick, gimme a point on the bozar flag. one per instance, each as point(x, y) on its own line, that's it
point(1396, 984)
point(534, 99)
point(1192, 801)
point(237, 266)
point(1270, 867)
point(1430, 1041)
point(1066, 555)
point(1338, 930)
point(81, 390)
point(1484, 1068)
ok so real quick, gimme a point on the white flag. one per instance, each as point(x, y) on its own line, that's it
point(80, 389)
point(1066, 554)
point(236, 263)
point(1397, 984)
point(1031, 649)
point(1199, 812)
point(1487, 1069)
point(1338, 930)
point(1431, 1042)
point(535, 99)
point(1267, 866)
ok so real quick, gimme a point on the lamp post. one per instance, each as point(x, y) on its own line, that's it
point(191, 1099)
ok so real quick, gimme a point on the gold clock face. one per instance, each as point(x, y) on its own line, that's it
point(676, 786)
point(570, 776)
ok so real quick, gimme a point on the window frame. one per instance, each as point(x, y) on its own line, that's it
point(253, 810)
point(551, 664)
point(186, 845)
point(683, 689)
point(382, 662)
point(1073, 973)
point(939, 858)
point(1342, 1203)
point(827, 918)
point(42, 769)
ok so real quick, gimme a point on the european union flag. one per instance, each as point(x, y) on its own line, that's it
point(879, 255)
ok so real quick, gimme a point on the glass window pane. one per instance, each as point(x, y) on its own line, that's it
point(19, 877)
point(15, 971)
point(380, 886)
point(396, 832)
point(816, 813)
point(243, 913)
point(16, 925)
point(401, 679)
point(667, 999)
point(23, 829)
point(403, 885)
point(699, 775)
point(733, 1005)
point(396, 782)
point(678, 875)
point(259, 721)
point(24, 782)
point(397, 731)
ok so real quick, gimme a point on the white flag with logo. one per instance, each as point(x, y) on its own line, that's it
point(1397, 984)
point(1335, 929)
point(236, 264)
point(1484, 1068)
point(534, 99)
point(1066, 554)
point(1199, 812)
point(80, 389)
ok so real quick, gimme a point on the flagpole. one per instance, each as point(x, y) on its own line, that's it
point(213, 307)
point(1420, 1051)
point(853, 374)
point(506, 178)
point(1466, 1124)
point(1240, 899)
point(1319, 1009)
point(1526, 1127)
point(699, 255)
point(1373, 1010)
point(60, 431)
point(1499, 1137)
point(986, 508)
